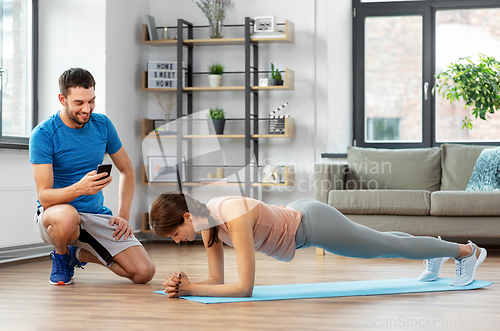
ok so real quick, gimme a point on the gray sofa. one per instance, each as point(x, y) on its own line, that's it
point(417, 191)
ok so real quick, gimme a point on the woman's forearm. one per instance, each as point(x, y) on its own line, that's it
point(210, 281)
point(220, 290)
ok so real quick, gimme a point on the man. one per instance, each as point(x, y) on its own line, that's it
point(65, 151)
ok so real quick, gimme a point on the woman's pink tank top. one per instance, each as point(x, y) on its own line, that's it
point(273, 233)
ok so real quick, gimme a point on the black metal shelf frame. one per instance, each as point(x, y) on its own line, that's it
point(251, 98)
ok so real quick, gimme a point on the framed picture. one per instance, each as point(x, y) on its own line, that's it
point(263, 82)
point(163, 169)
point(264, 24)
point(150, 22)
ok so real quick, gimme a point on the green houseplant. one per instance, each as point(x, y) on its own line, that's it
point(478, 84)
point(217, 115)
point(215, 74)
point(276, 79)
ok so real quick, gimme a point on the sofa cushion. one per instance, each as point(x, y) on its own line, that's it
point(458, 163)
point(461, 203)
point(387, 202)
point(486, 174)
point(404, 169)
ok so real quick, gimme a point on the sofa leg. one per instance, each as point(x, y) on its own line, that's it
point(320, 251)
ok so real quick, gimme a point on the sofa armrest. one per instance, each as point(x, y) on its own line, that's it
point(327, 177)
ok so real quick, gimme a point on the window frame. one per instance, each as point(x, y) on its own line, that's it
point(9, 142)
point(428, 9)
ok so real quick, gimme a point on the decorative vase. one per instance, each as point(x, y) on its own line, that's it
point(215, 29)
point(218, 126)
point(276, 82)
point(215, 80)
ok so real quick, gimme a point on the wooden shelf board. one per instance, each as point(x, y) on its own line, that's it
point(288, 85)
point(209, 42)
point(218, 184)
point(161, 42)
point(147, 126)
point(223, 136)
point(214, 136)
point(288, 37)
point(223, 88)
point(164, 89)
point(272, 136)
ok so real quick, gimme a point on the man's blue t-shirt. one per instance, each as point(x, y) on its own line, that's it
point(75, 152)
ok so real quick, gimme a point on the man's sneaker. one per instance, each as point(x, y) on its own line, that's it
point(432, 268)
point(74, 262)
point(465, 268)
point(60, 274)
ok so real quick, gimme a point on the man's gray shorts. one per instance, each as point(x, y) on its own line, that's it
point(96, 236)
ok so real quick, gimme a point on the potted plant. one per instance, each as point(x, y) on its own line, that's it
point(478, 84)
point(215, 76)
point(215, 11)
point(218, 120)
point(276, 79)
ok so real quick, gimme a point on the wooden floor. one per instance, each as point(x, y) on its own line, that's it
point(99, 300)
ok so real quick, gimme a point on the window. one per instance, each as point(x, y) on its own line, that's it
point(18, 27)
point(398, 48)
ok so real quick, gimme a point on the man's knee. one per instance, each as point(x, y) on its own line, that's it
point(64, 219)
point(145, 271)
point(136, 262)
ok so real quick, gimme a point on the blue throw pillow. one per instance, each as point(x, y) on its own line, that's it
point(486, 174)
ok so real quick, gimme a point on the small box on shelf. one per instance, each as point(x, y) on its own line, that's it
point(277, 124)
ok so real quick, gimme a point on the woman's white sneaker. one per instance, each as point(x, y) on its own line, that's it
point(465, 268)
point(432, 269)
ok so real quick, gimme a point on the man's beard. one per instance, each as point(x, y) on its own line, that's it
point(75, 120)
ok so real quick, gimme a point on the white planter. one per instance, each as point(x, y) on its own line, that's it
point(215, 80)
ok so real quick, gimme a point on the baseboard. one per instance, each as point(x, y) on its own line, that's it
point(24, 252)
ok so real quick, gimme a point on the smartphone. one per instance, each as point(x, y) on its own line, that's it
point(104, 168)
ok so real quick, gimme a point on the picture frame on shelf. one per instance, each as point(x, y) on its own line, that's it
point(162, 169)
point(264, 24)
point(150, 22)
point(263, 82)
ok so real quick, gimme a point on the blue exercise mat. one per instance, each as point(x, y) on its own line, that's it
point(342, 289)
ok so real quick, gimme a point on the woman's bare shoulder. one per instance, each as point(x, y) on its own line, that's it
point(238, 207)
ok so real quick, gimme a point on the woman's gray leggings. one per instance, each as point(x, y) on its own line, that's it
point(325, 227)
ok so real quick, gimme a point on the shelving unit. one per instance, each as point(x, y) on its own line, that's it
point(254, 128)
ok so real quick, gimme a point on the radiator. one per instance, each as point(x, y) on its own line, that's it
point(17, 211)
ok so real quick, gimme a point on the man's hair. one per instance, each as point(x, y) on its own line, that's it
point(75, 77)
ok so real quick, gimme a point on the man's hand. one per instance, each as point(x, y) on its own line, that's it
point(92, 183)
point(124, 229)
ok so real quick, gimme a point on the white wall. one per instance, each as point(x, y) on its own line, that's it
point(321, 83)
point(124, 98)
point(104, 37)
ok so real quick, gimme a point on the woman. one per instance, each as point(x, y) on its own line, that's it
point(249, 225)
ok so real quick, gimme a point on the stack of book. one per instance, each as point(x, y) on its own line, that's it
point(162, 74)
